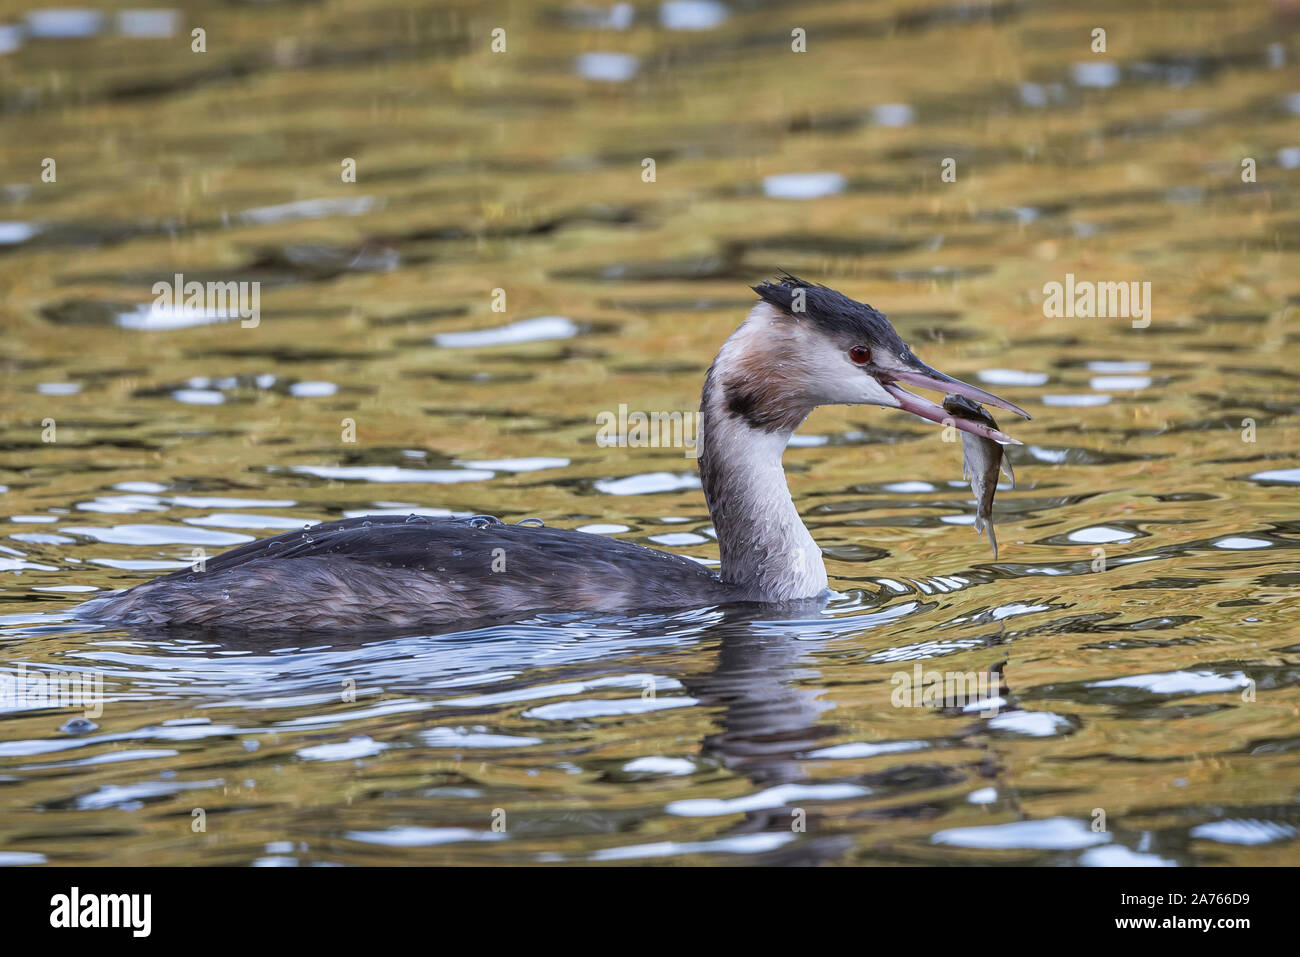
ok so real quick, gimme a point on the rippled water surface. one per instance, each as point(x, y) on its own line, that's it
point(1142, 614)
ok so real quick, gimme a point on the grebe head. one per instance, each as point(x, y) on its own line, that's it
point(801, 346)
point(805, 345)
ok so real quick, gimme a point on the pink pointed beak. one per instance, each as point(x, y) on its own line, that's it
point(922, 375)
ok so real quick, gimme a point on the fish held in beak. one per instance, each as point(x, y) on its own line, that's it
point(982, 457)
point(978, 423)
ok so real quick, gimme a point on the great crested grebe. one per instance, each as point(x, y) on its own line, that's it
point(801, 346)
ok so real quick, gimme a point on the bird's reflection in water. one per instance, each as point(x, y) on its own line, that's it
point(772, 701)
point(768, 701)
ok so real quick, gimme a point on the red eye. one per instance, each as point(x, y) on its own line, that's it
point(860, 354)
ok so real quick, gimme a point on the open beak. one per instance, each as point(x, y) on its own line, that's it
point(919, 374)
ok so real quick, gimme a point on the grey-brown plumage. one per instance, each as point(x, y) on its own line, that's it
point(412, 572)
point(981, 460)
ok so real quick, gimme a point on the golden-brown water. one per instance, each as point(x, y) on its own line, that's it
point(1144, 606)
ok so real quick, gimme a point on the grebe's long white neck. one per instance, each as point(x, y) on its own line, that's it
point(748, 412)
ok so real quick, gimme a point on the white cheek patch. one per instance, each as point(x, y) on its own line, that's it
point(839, 381)
point(868, 389)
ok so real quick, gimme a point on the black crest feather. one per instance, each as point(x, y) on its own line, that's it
point(833, 311)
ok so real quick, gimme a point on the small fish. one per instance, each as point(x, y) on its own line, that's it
point(980, 460)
